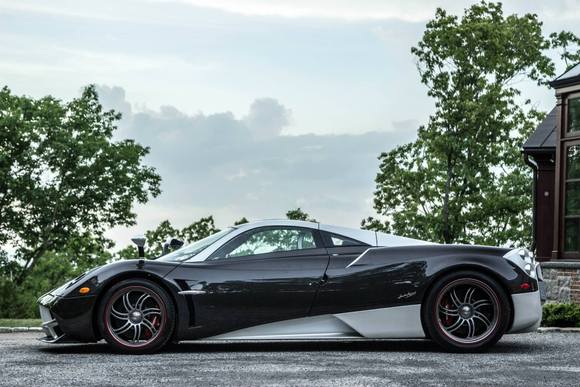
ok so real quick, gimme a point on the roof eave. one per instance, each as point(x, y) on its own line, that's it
point(560, 83)
point(539, 150)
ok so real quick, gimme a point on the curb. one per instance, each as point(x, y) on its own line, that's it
point(20, 329)
point(558, 330)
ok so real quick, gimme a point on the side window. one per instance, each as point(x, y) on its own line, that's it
point(269, 240)
point(341, 241)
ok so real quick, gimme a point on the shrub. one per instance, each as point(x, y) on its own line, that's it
point(561, 315)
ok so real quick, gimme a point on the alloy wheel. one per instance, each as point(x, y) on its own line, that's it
point(135, 316)
point(468, 310)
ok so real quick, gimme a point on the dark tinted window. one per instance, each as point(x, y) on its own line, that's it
point(342, 241)
point(267, 240)
point(574, 115)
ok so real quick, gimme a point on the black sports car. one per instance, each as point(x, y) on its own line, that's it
point(285, 279)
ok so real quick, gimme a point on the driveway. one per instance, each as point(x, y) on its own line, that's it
point(517, 360)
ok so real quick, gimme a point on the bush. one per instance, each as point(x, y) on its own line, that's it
point(561, 315)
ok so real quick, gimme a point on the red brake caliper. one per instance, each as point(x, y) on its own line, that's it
point(155, 324)
point(447, 317)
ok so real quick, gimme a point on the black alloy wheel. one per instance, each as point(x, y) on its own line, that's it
point(466, 312)
point(136, 316)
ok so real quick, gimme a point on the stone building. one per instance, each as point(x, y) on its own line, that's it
point(553, 152)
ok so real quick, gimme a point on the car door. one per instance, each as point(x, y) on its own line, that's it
point(340, 290)
point(263, 275)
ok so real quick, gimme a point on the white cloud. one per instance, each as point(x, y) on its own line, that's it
point(267, 118)
point(214, 164)
point(100, 10)
point(407, 10)
point(335, 9)
point(349, 10)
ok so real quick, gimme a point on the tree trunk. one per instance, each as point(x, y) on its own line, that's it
point(31, 261)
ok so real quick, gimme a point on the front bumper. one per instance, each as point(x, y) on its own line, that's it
point(527, 312)
point(49, 325)
point(67, 320)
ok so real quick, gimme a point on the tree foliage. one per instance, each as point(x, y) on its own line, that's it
point(62, 176)
point(569, 46)
point(298, 214)
point(200, 229)
point(240, 221)
point(197, 230)
point(18, 300)
point(463, 179)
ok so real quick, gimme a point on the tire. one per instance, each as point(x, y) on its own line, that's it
point(466, 311)
point(136, 316)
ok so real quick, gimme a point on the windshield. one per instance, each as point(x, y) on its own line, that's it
point(194, 248)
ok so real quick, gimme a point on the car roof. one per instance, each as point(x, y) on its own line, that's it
point(369, 237)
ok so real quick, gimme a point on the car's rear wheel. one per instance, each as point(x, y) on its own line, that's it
point(136, 316)
point(466, 311)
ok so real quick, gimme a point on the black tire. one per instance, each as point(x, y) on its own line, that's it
point(136, 316)
point(466, 311)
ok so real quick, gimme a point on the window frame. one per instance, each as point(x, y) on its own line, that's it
point(563, 183)
point(327, 238)
point(319, 245)
point(565, 133)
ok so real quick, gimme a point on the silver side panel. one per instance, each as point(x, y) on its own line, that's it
point(395, 322)
point(527, 312)
point(357, 259)
point(390, 240)
point(373, 238)
point(327, 326)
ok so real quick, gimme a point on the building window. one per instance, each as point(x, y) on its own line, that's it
point(572, 199)
point(573, 115)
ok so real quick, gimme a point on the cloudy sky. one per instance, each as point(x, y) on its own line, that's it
point(250, 107)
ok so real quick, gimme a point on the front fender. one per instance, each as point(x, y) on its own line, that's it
point(75, 312)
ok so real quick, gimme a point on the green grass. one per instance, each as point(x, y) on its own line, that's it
point(28, 322)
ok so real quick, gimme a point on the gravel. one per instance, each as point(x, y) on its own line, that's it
point(546, 359)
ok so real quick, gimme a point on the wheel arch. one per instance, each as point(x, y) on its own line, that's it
point(464, 267)
point(110, 282)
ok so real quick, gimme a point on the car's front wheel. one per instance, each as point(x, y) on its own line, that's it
point(136, 316)
point(466, 311)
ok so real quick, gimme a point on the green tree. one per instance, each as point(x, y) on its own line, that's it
point(298, 214)
point(463, 179)
point(200, 229)
point(80, 254)
point(569, 46)
point(62, 176)
point(242, 220)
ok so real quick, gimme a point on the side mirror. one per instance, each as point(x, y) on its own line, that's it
point(171, 244)
point(140, 241)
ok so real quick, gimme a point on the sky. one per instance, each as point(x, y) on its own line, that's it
point(250, 107)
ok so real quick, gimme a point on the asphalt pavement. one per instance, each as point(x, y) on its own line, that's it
point(546, 359)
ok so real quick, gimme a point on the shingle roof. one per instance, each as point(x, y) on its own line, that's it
point(544, 137)
point(570, 77)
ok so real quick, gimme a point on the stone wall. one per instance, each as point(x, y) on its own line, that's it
point(562, 281)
